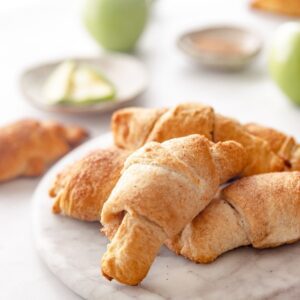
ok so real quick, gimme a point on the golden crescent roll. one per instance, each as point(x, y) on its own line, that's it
point(286, 7)
point(134, 125)
point(185, 119)
point(28, 147)
point(285, 146)
point(261, 210)
point(81, 189)
point(261, 158)
point(219, 228)
point(161, 189)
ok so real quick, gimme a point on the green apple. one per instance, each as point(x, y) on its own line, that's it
point(284, 60)
point(116, 24)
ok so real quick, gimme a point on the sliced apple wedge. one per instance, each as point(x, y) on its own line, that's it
point(58, 85)
point(75, 84)
point(89, 86)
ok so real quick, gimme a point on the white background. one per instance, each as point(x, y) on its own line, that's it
point(32, 31)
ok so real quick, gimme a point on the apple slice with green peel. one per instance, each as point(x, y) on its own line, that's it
point(58, 85)
point(75, 84)
point(89, 86)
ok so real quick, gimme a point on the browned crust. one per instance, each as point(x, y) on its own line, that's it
point(131, 126)
point(261, 159)
point(81, 189)
point(295, 160)
point(28, 147)
point(214, 231)
point(182, 120)
point(270, 207)
point(286, 7)
point(134, 126)
point(279, 142)
point(131, 238)
point(262, 210)
point(165, 185)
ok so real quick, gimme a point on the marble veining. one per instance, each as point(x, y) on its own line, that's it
point(73, 249)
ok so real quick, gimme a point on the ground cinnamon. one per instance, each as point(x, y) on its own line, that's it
point(218, 45)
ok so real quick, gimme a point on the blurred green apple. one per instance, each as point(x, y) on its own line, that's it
point(284, 60)
point(116, 24)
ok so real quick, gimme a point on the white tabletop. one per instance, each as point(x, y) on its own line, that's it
point(32, 31)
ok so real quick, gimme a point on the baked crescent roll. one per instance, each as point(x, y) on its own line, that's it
point(134, 126)
point(216, 230)
point(185, 119)
point(286, 7)
point(161, 189)
point(28, 147)
point(285, 146)
point(261, 210)
point(81, 189)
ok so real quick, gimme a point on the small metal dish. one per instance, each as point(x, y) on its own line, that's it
point(221, 47)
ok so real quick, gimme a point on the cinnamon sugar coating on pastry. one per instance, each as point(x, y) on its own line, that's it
point(286, 7)
point(261, 158)
point(81, 189)
point(28, 147)
point(183, 120)
point(261, 210)
point(162, 188)
point(285, 146)
point(132, 127)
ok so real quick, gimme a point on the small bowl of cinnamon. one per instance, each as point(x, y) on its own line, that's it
point(221, 47)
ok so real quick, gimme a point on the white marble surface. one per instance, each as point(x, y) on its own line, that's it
point(32, 31)
point(73, 249)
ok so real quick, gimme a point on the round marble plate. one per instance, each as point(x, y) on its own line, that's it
point(73, 249)
point(126, 72)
